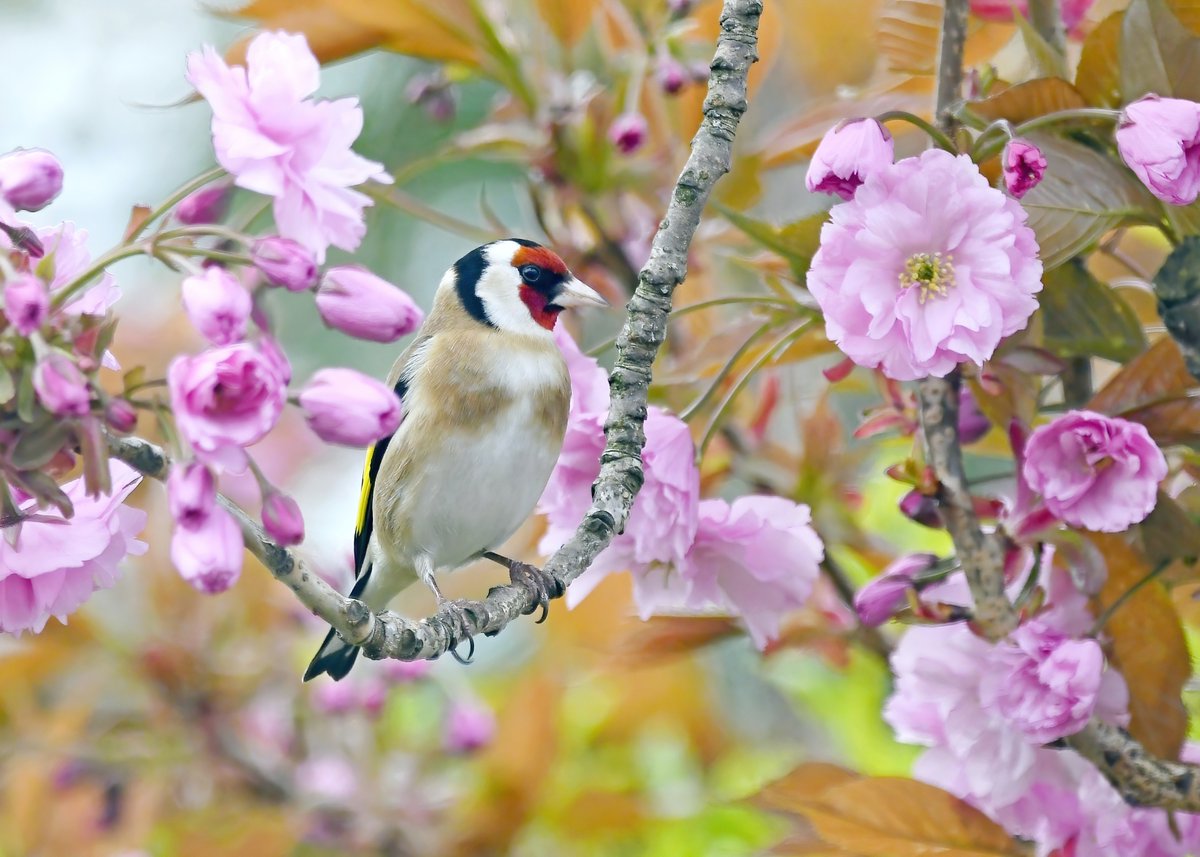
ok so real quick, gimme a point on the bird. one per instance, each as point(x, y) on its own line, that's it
point(485, 396)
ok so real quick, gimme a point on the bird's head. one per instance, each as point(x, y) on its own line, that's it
point(518, 286)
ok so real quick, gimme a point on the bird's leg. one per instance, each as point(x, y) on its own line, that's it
point(546, 585)
point(455, 618)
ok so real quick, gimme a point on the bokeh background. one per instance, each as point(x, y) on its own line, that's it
point(163, 722)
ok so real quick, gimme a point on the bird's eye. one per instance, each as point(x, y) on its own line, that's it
point(531, 273)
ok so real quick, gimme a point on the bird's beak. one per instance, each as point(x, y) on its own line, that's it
point(575, 293)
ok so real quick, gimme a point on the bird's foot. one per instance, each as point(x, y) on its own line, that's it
point(544, 584)
point(452, 616)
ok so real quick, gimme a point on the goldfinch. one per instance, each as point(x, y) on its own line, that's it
point(485, 395)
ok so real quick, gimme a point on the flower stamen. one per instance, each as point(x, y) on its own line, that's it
point(932, 273)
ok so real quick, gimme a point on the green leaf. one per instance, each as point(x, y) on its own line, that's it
point(1177, 285)
point(1158, 53)
point(1084, 195)
point(796, 242)
point(1046, 59)
point(39, 443)
point(1083, 317)
point(8, 387)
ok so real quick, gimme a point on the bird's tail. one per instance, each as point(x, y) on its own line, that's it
point(336, 656)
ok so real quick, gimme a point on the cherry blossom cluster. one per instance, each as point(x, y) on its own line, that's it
point(273, 139)
point(756, 558)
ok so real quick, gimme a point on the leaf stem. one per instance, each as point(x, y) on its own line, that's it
point(943, 141)
point(176, 197)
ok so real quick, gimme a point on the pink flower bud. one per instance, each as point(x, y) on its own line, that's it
point(24, 240)
point(191, 494)
point(121, 415)
point(671, 75)
point(972, 424)
point(469, 726)
point(358, 303)
point(346, 407)
point(679, 8)
point(1024, 167)
point(403, 672)
point(26, 303)
point(282, 519)
point(61, 387)
point(30, 179)
point(922, 509)
point(207, 205)
point(882, 597)
point(847, 154)
point(285, 263)
point(217, 305)
point(628, 132)
point(1159, 139)
point(209, 556)
point(434, 94)
point(372, 698)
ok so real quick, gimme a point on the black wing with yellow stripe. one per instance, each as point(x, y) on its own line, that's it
point(366, 506)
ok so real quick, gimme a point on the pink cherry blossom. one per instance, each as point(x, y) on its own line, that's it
point(225, 399)
point(628, 132)
point(1159, 139)
point(1023, 167)
point(209, 555)
point(275, 140)
point(1045, 684)
point(207, 205)
point(282, 519)
point(53, 566)
point(947, 698)
point(662, 524)
point(1096, 472)
point(757, 557)
point(882, 597)
point(191, 494)
point(285, 263)
point(217, 304)
point(67, 257)
point(327, 779)
point(925, 268)
point(847, 154)
point(30, 179)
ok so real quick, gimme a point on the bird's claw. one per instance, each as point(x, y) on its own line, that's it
point(544, 584)
point(452, 616)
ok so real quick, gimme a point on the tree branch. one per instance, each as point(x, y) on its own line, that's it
point(1141, 779)
point(388, 635)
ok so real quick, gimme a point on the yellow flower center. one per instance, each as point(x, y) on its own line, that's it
point(933, 274)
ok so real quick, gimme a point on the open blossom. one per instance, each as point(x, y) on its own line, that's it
point(225, 399)
point(217, 304)
point(209, 555)
point(54, 567)
point(1023, 167)
point(882, 597)
point(66, 257)
point(950, 697)
point(357, 302)
point(1093, 471)
point(30, 179)
point(757, 557)
point(847, 154)
point(1159, 139)
point(1044, 683)
point(276, 140)
point(662, 524)
point(925, 268)
point(349, 408)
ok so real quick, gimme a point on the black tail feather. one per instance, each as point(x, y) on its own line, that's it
point(336, 656)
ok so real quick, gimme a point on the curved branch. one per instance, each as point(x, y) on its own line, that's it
point(388, 635)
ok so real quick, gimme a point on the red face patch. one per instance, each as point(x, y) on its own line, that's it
point(545, 259)
point(539, 308)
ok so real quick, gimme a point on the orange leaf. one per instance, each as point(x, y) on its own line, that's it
point(1029, 100)
point(1147, 646)
point(331, 35)
point(897, 817)
point(802, 786)
point(1098, 75)
point(568, 20)
point(1154, 390)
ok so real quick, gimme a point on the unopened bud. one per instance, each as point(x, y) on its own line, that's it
point(30, 179)
point(285, 263)
point(26, 303)
point(671, 75)
point(628, 132)
point(121, 415)
point(207, 205)
point(282, 519)
point(921, 508)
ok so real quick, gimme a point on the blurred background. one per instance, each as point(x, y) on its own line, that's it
point(164, 722)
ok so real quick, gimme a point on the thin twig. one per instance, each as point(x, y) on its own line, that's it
point(387, 635)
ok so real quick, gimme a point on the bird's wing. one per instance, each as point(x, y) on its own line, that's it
point(400, 377)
